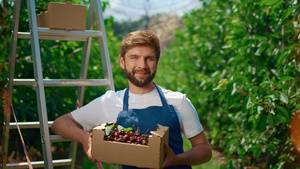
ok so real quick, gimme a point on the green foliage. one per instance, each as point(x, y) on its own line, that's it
point(60, 60)
point(237, 61)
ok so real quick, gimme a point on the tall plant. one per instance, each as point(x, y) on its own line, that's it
point(237, 62)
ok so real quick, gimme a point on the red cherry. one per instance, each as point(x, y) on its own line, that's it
point(137, 133)
point(144, 142)
point(133, 139)
point(126, 137)
point(122, 132)
point(117, 134)
point(130, 133)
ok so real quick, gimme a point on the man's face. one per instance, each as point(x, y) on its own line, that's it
point(139, 65)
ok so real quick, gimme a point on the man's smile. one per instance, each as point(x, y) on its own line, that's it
point(141, 72)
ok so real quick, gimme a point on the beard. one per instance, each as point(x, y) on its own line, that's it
point(141, 82)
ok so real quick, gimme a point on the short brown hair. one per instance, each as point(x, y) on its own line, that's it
point(140, 38)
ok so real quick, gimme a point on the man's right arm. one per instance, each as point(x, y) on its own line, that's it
point(67, 127)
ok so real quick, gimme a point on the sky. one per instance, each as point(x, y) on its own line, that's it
point(123, 10)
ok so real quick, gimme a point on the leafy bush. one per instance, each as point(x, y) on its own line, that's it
point(60, 60)
point(238, 63)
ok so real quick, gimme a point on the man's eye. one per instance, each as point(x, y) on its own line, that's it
point(150, 58)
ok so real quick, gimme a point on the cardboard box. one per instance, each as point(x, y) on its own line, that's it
point(63, 16)
point(151, 156)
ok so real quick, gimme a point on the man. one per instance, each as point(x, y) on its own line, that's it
point(143, 104)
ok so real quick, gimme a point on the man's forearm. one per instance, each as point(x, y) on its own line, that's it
point(199, 154)
point(66, 127)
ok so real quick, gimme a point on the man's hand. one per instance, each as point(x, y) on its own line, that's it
point(199, 153)
point(170, 157)
point(87, 146)
point(69, 128)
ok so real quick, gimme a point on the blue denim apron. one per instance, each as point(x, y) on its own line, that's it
point(148, 118)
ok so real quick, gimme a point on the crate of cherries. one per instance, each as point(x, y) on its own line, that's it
point(118, 133)
point(114, 144)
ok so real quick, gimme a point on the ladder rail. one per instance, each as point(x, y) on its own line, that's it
point(52, 34)
point(40, 93)
point(27, 125)
point(39, 164)
point(104, 46)
point(63, 82)
point(86, 54)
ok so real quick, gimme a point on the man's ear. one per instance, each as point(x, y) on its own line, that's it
point(122, 62)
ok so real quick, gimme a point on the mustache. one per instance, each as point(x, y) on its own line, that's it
point(141, 70)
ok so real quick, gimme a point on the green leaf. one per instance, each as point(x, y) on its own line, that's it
point(233, 89)
point(120, 127)
point(270, 2)
point(230, 97)
point(262, 122)
point(259, 109)
point(245, 102)
point(294, 100)
point(256, 151)
point(127, 129)
point(274, 72)
point(275, 120)
point(283, 112)
point(271, 120)
point(252, 119)
point(249, 103)
point(221, 83)
point(277, 4)
point(271, 96)
point(284, 98)
point(107, 130)
point(286, 78)
point(288, 12)
point(222, 96)
point(230, 100)
point(283, 156)
point(263, 90)
point(266, 83)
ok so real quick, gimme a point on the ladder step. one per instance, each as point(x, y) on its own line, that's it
point(36, 124)
point(64, 82)
point(57, 34)
point(39, 164)
point(27, 125)
point(57, 138)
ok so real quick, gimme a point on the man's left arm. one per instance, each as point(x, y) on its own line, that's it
point(199, 153)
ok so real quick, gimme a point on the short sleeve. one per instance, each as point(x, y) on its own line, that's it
point(101, 110)
point(190, 123)
point(87, 116)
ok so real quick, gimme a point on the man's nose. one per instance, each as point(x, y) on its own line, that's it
point(142, 63)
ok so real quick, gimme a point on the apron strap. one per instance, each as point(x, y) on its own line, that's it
point(125, 100)
point(161, 95)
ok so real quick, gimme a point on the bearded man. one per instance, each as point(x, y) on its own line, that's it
point(142, 104)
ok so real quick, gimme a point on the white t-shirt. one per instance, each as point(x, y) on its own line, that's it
point(107, 107)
